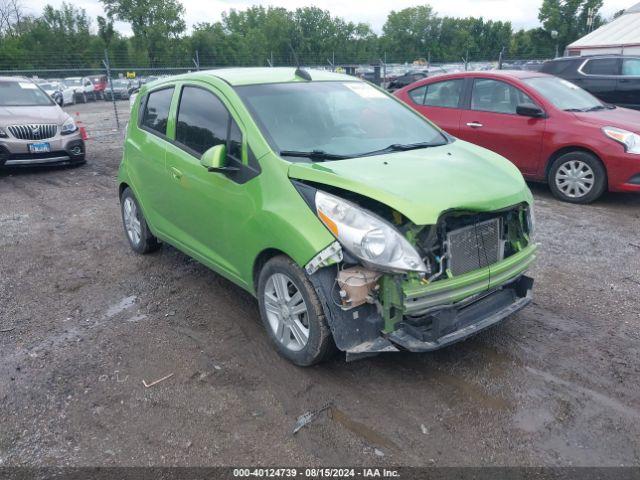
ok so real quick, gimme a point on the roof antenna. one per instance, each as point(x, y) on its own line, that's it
point(300, 72)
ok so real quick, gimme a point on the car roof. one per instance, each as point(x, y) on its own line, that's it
point(14, 79)
point(519, 74)
point(253, 76)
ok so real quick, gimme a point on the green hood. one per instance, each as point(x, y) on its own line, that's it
point(422, 184)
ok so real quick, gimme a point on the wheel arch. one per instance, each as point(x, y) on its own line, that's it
point(121, 188)
point(568, 149)
point(260, 261)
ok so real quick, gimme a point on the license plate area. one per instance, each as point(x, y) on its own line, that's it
point(42, 147)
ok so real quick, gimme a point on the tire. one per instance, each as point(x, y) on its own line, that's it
point(136, 229)
point(281, 279)
point(577, 177)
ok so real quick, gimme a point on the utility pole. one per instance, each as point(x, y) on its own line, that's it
point(107, 66)
point(196, 61)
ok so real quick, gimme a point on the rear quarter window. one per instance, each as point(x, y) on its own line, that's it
point(559, 67)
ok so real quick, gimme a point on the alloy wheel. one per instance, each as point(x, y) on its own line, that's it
point(575, 178)
point(132, 220)
point(286, 312)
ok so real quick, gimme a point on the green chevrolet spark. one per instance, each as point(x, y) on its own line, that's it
point(356, 223)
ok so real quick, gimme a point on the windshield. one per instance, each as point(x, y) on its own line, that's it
point(337, 118)
point(22, 94)
point(73, 82)
point(120, 83)
point(563, 94)
point(47, 86)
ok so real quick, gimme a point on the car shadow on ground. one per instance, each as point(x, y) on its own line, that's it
point(541, 190)
point(37, 169)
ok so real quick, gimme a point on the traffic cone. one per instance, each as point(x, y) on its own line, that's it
point(81, 127)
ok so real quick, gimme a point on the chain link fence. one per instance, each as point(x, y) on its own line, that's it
point(109, 68)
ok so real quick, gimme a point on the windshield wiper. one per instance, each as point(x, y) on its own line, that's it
point(595, 108)
point(574, 110)
point(314, 155)
point(401, 147)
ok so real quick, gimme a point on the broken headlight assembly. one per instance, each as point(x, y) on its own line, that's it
point(366, 236)
point(530, 218)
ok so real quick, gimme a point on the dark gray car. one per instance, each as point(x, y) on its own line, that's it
point(34, 130)
point(612, 78)
point(121, 90)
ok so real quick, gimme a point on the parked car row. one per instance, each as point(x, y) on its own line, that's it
point(72, 90)
point(408, 237)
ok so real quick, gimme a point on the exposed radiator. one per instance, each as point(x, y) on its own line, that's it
point(475, 246)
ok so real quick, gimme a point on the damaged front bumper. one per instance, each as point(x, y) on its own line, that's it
point(422, 317)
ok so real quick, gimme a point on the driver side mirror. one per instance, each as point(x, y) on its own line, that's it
point(215, 159)
point(529, 110)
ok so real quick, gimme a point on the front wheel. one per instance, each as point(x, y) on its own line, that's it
point(140, 237)
point(292, 313)
point(577, 177)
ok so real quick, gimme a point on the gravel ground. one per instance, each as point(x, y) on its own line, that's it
point(83, 321)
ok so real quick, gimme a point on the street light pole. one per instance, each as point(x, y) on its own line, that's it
point(554, 35)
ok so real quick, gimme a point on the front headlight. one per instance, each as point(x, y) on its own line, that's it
point(366, 236)
point(3, 134)
point(630, 140)
point(69, 126)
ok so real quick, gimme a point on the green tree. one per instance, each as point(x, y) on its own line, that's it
point(411, 33)
point(156, 24)
point(105, 29)
point(569, 18)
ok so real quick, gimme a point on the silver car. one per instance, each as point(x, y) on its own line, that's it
point(33, 129)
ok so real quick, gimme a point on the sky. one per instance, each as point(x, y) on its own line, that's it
point(521, 13)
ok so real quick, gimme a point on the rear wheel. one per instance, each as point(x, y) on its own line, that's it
point(577, 177)
point(140, 237)
point(292, 313)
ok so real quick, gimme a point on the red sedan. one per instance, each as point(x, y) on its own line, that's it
point(552, 130)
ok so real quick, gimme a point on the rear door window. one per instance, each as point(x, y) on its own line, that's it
point(601, 66)
point(417, 95)
point(497, 96)
point(631, 67)
point(156, 110)
point(441, 94)
point(444, 94)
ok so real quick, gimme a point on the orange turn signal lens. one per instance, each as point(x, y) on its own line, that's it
point(330, 224)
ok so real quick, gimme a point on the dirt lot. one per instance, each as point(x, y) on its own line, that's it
point(83, 321)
